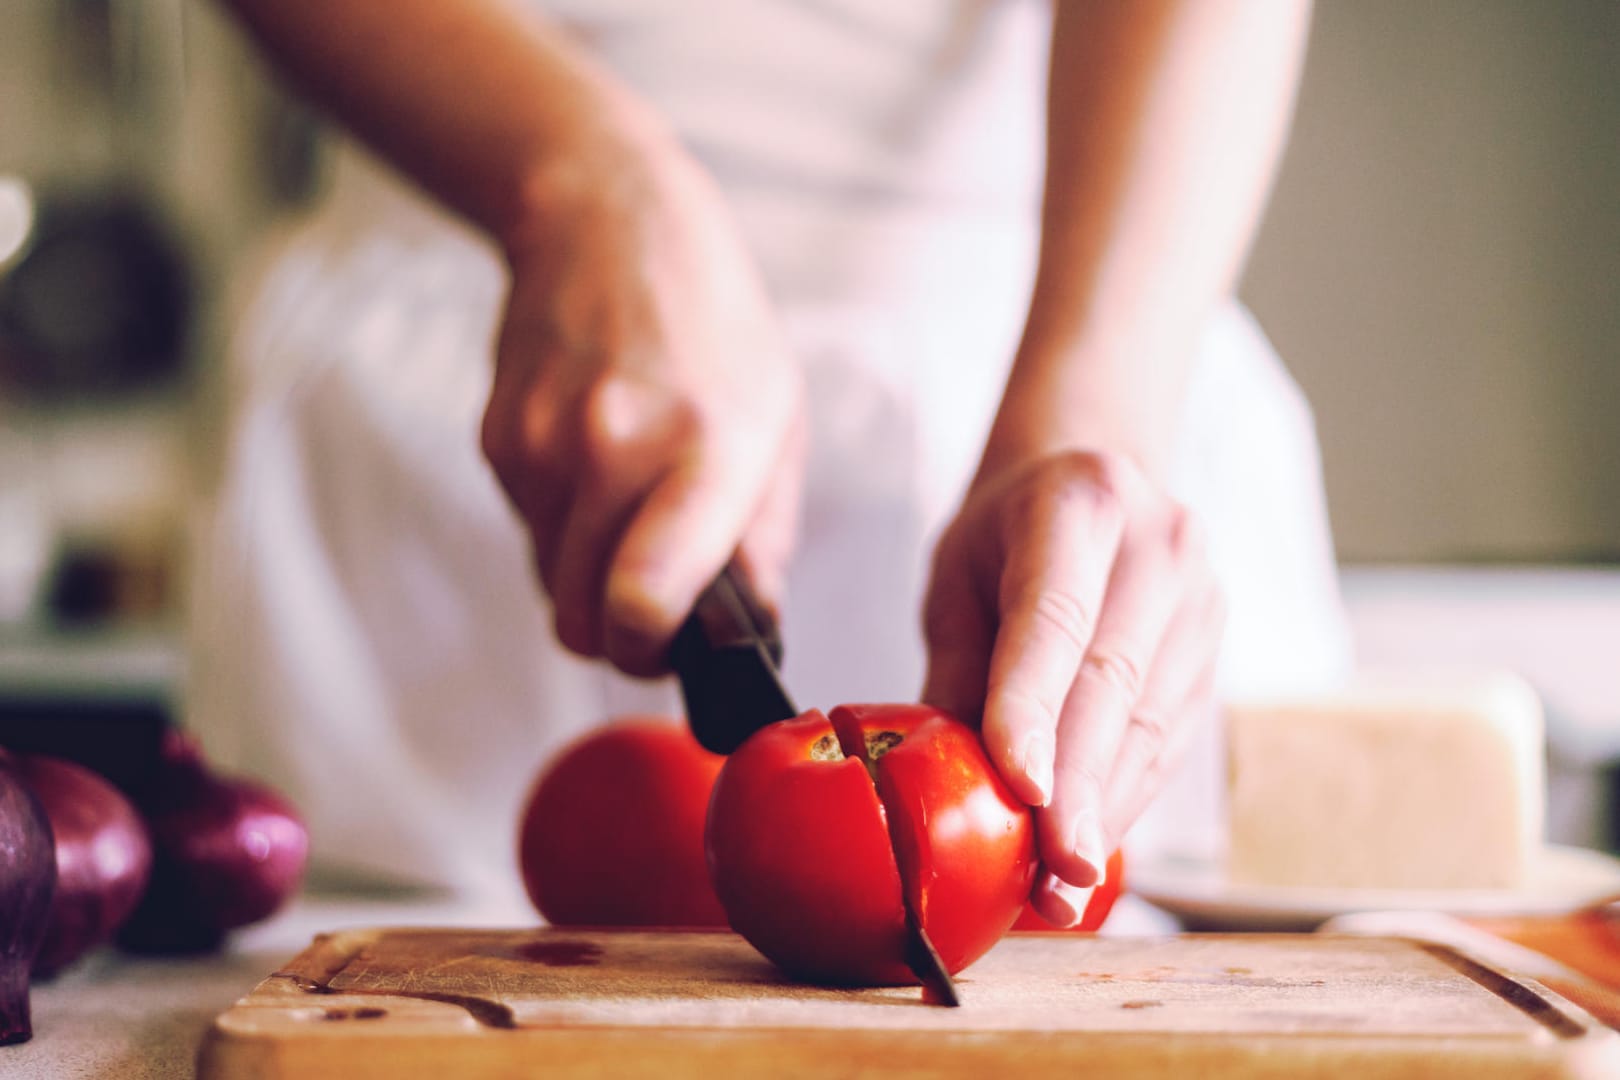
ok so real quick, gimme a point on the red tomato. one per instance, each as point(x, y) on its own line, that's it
point(817, 824)
point(612, 834)
point(1097, 908)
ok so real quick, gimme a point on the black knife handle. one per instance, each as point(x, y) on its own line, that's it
point(725, 655)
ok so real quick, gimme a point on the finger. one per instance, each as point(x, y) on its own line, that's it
point(543, 501)
point(1197, 709)
point(518, 435)
point(680, 537)
point(576, 577)
point(628, 431)
point(1058, 551)
point(959, 628)
point(1059, 903)
point(1176, 702)
point(1144, 592)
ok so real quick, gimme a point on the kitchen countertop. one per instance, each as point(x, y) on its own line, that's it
point(114, 1016)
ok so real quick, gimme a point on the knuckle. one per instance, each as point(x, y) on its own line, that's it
point(1018, 707)
point(1066, 489)
point(1109, 475)
point(1086, 780)
point(1062, 614)
point(1184, 535)
point(599, 423)
point(628, 421)
point(1107, 507)
point(1115, 667)
point(1096, 484)
point(1152, 728)
point(606, 423)
point(538, 423)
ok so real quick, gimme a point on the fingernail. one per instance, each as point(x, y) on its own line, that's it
point(1066, 902)
point(1088, 843)
point(1035, 758)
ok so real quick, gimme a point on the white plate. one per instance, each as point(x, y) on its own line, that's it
point(1197, 892)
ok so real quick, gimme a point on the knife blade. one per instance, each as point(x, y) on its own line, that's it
point(923, 960)
point(726, 655)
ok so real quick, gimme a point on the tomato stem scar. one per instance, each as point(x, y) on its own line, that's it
point(826, 748)
point(879, 743)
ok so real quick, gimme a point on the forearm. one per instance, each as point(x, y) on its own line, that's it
point(1166, 121)
point(496, 113)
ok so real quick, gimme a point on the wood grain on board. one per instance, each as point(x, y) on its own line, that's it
point(506, 1003)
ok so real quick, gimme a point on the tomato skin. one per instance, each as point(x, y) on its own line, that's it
point(965, 844)
point(612, 831)
point(1097, 908)
point(800, 857)
point(804, 852)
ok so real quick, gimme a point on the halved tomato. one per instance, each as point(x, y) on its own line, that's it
point(818, 823)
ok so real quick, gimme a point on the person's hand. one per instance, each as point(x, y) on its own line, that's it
point(1072, 610)
point(645, 418)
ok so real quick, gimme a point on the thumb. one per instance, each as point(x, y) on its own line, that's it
point(959, 629)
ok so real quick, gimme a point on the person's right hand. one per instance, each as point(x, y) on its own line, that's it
point(646, 416)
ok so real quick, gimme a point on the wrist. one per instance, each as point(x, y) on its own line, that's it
point(610, 165)
point(1120, 398)
point(564, 192)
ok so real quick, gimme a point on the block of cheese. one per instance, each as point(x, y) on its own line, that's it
point(1396, 781)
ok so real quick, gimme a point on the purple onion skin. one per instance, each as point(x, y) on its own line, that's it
point(103, 858)
point(227, 852)
point(27, 880)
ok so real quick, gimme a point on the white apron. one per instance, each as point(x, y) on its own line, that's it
point(367, 631)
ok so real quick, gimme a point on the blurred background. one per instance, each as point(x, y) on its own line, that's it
point(1440, 268)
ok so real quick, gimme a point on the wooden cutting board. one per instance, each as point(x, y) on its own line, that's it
point(509, 1003)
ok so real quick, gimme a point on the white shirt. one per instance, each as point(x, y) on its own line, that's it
point(367, 630)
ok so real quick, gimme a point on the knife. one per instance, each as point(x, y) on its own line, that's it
point(726, 655)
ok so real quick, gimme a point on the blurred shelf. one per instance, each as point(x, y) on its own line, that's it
point(116, 662)
point(102, 696)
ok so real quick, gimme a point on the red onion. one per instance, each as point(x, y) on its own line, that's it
point(226, 852)
point(27, 879)
point(103, 857)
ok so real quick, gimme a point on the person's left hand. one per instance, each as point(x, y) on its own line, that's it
point(1073, 611)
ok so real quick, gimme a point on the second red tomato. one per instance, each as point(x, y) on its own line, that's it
point(612, 834)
